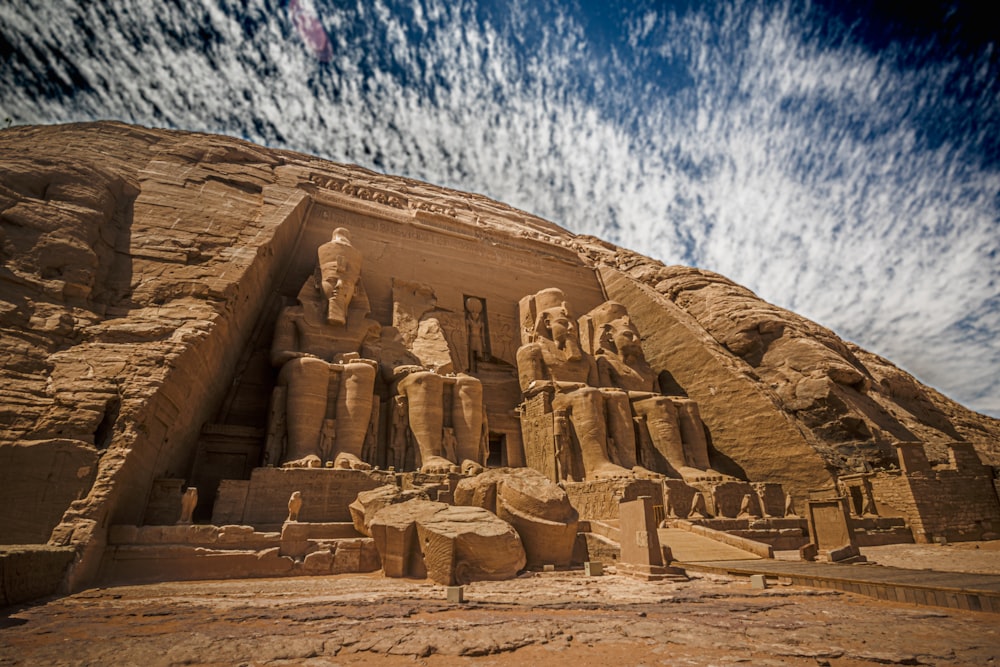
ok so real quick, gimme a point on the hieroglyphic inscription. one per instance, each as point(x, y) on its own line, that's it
point(362, 192)
point(479, 244)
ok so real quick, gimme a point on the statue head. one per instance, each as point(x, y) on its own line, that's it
point(474, 307)
point(339, 270)
point(615, 330)
point(555, 322)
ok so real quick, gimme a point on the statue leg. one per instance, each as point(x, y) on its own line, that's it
point(588, 420)
point(662, 422)
point(307, 381)
point(620, 429)
point(423, 391)
point(692, 433)
point(354, 409)
point(467, 417)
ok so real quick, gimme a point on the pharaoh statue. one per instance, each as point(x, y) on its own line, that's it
point(443, 408)
point(326, 347)
point(673, 424)
point(551, 361)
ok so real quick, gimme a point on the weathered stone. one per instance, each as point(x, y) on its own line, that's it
point(368, 503)
point(144, 269)
point(538, 509)
point(456, 545)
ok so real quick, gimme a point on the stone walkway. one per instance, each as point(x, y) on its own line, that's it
point(689, 547)
point(955, 590)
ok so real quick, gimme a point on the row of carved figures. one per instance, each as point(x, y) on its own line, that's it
point(608, 415)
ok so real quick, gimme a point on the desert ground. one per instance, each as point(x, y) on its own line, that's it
point(552, 618)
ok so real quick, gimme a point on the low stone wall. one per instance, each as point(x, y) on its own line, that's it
point(177, 553)
point(599, 499)
point(263, 500)
point(954, 504)
point(31, 572)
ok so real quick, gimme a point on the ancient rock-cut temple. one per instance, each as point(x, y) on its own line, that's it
point(224, 360)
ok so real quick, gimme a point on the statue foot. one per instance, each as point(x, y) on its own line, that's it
point(608, 471)
point(345, 461)
point(471, 468)
point(644, 473)
point(311, 461)
point(689, 474)
point(436, 465)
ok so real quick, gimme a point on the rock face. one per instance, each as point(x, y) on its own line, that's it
point(142, 272)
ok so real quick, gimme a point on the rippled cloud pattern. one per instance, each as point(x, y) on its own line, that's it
point(837, 163)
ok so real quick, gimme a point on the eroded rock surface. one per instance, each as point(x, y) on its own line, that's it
point(457, 545)
point(538, 509)
point(550, 618)
point(139, 266)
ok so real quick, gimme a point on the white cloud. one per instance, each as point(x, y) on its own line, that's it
point(797, 168)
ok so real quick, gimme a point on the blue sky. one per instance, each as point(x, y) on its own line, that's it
point(841, 159)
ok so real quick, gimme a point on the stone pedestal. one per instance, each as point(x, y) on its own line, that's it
point(263, 501)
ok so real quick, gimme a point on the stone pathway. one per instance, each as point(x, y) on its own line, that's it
point(688, 547)
point(955, 590)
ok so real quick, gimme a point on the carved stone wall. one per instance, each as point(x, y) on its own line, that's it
point(141, 272)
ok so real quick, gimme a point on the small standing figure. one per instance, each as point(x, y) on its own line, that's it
point(188, 502)
point(790, 506)
point(294, 506)
point(476, 330)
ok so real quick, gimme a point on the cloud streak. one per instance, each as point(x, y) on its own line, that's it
point(850, 184)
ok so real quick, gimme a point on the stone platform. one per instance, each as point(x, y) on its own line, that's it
point(954, 590)
point(191, 552)
point(262, 500)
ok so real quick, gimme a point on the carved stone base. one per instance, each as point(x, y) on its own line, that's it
point(263, 499)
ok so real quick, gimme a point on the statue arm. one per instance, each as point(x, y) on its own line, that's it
point(592, 376)
point(285, 345)
point(605, 376)
point(530, 369)
point(371, 345)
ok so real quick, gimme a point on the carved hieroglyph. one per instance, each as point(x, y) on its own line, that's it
point(326, 348)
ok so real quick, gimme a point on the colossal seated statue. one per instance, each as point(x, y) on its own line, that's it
point(326, 347)
point(443, 409)
point(551, 364)
point(671, 423)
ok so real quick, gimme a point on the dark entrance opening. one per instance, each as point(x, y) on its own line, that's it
point(497, 456)
point(857, 499)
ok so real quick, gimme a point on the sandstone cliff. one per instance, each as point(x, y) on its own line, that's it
point(138, 265)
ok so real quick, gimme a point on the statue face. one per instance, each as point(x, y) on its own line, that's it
point(346, 271)
point(340, 270)
point(626, 337)
point(560, 326)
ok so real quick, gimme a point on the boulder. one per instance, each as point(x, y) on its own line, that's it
point(451, 545)
point(368, 503)
point(538, 509)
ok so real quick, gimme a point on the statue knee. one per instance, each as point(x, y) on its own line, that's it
point(361, 371)
point(303, 368)
point(469, 386)
point(421, 381)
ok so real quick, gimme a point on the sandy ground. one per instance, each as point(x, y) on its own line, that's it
point(560, 618)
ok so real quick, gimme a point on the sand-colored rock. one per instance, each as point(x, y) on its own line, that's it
point(538, 509)
point(456, 545)
point(368, 503)
point(142, 272)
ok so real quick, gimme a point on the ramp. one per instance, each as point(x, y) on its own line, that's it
point(688, 547)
